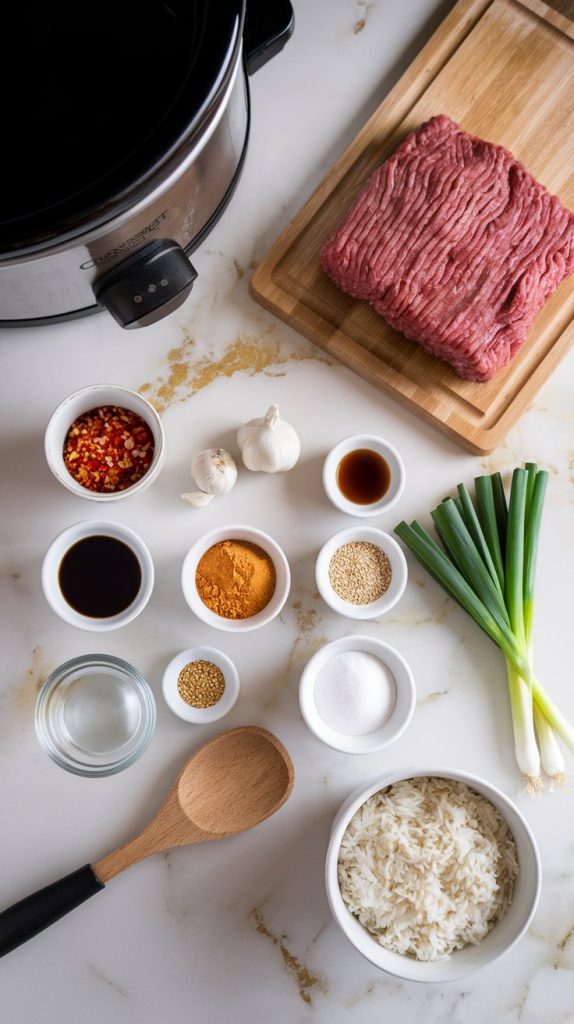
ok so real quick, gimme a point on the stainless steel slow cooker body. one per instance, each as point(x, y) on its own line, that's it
point(134, 261)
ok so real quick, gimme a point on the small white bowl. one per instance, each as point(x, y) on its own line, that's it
point(399, 717)
point(247, 533)
point(462, 962)
point(395, 589)
point(51, 565)
point(90, 398)
point(201, 716)
point(376, 444)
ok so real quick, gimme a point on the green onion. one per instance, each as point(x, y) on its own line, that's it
point(487, 565)
point(489, 520)
point(525, 745)
point(550, 753)
point(450, 526)
point(526, 749)
point(500, 511)
point(445, 572)
point(532, 530)
point(473, 525)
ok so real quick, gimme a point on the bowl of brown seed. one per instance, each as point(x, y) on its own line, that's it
point(361, 572)
point(201, 685)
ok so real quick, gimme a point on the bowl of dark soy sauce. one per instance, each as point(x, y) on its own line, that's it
point(97, 575)
point(363, 475)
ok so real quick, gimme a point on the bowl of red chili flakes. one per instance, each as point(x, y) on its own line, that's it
point(105, 442)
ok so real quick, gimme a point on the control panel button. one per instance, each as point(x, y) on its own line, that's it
point(148, 285)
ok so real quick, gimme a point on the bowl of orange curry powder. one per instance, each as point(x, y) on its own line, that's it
point(235, 578)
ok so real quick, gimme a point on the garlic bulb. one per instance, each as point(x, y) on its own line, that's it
point(214, 472)
point(268, 444)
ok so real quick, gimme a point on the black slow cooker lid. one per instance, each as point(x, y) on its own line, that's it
point(96, 98)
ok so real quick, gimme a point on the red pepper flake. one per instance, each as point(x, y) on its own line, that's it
point(97, 445)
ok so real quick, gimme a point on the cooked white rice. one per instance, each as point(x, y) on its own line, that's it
point(427, 866)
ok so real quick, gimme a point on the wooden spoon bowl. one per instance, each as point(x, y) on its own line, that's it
point(229, 785)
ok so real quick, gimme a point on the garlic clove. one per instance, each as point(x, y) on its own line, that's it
point(214, 471)
point(198, 498)
point(269, 444)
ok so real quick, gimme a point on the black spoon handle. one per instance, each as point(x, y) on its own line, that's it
point(30, 915)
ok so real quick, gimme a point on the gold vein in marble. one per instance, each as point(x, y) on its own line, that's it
point(304, 979)
point(187, 374)
point(107, 981)
point(566, 938)
point(508, 455)
point(320, 932)
point(14, 579)
point(377, 989)
point(562, 949)
point(361, 22)
point(307, 640)
point(174, 903)
point(521, 1002)
point(306, 617)
point(431, 698)
point(26, 692)
point(304, 647)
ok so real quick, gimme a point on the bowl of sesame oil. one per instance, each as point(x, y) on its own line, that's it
point(363, 475)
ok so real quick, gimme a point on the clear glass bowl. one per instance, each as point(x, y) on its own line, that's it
point(95, 715)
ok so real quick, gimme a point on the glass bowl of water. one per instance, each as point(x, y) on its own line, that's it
point(95, 715)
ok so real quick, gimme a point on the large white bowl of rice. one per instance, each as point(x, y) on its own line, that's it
point(432, 873)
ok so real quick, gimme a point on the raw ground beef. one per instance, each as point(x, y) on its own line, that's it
point(456, 245)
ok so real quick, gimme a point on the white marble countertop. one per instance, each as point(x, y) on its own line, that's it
point(240, 930)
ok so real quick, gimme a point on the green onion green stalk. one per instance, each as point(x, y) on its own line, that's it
point(487, 564)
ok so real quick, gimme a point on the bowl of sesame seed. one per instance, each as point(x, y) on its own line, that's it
point(361, 572)
point(201, 685)
point(105, 442)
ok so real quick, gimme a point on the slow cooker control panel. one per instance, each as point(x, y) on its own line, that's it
point(147, 285)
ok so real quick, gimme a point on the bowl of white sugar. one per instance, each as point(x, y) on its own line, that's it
point(357, 694)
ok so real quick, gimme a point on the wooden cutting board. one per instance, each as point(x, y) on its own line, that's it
point(504, 70)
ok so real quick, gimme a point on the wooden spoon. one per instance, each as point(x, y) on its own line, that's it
point(236, 780)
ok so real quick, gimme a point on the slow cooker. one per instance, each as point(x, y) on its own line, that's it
point(126, 149)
